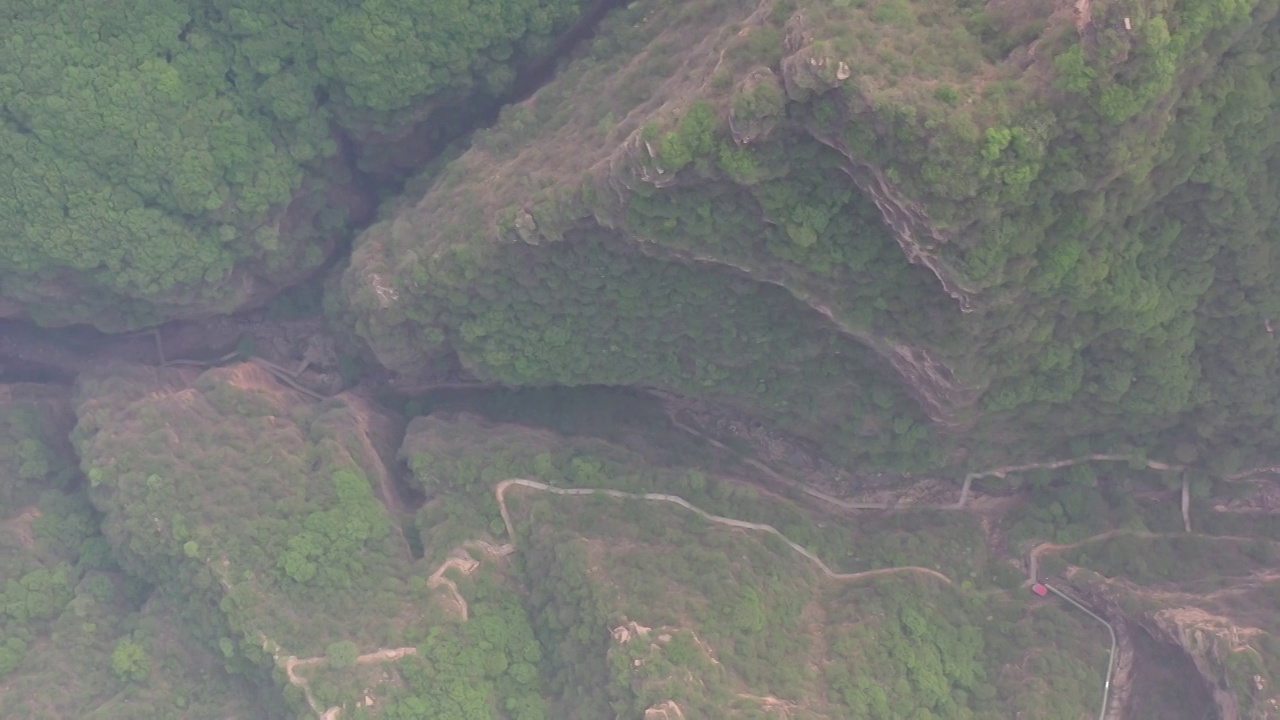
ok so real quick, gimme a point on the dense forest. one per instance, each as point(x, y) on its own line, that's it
point(531, 359)
point(175, 159)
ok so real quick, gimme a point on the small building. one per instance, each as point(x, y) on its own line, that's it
point(1039, 589)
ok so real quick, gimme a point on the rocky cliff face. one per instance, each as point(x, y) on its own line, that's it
point(1219, 646)
point(1228, 635)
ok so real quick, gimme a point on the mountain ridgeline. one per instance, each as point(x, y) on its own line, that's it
point(919, 233)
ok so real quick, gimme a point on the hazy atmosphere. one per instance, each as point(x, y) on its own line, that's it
point(648, 360)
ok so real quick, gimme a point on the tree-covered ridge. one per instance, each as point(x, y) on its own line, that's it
point(255, 507)
point(1086, 207)
point(588, 309)
point(79, 637)
point(173, 159)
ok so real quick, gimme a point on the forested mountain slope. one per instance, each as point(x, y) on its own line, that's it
point(1050, 224)
point(648, 396)
point(79, 637)
point(179, 159)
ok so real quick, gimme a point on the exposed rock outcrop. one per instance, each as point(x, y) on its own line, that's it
point(1209, 640)
point(667, 710)
point(1208, 636)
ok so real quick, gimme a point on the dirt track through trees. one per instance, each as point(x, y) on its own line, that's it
point(463, 562)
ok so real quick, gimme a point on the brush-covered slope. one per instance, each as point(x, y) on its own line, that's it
point(1033, 225)
point(271, 518)
point(179, 159)
point(79, 638)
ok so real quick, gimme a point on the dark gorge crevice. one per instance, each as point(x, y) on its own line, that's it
point(389, 163)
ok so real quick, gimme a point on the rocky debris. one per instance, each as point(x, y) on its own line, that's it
point(526, 227)
point(628, 631)
point(933, 384)
point(909, 222)
point(812, 71)
point(666, 710)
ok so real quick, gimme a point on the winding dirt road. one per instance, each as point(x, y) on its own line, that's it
point(505, 485)
point(463, 562)
point(291, 663)
point(1033, 557)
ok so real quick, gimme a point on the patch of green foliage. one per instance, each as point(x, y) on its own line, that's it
point(486, 668)
point(34, 420)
